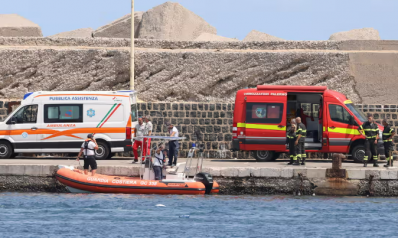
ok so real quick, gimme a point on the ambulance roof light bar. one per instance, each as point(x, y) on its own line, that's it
point(293, 88)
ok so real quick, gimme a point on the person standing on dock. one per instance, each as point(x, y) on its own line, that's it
point(139, 131)
point(158, 162)
point(300, 142)
point(88, 148)
point(173, 146)
point(291, 140)
point(147, 132)
point(370, 130)
point(388, 134)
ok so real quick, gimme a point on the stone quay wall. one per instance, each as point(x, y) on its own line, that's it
point(210, 123)
point(232, 180)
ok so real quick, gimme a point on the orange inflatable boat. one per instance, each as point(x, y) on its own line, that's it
point(77, 182)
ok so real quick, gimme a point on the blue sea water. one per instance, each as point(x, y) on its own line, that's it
point(110, 215)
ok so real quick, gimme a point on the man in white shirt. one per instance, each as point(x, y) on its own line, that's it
point(88, 148)
point(148, 132)
point(173, 146)
point(158, 162)
point(138, 131)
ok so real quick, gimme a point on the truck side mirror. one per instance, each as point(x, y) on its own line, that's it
point(351, 120)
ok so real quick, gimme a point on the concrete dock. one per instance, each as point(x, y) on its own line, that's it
point(234, 176)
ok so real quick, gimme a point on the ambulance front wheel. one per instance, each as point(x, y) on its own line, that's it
point(6, 150)
point(103, 150)
point(263, 155)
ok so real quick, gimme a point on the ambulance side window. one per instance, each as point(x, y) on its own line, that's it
point(264, 112)
point(134, 116)
point(339, 114)
point(27, 114)
point(63, 113)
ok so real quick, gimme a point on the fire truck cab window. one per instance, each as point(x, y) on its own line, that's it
point(339, 114)
point(264, 112)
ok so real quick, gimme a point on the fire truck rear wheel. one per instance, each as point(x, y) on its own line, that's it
point(263, 155)
point(358, 153)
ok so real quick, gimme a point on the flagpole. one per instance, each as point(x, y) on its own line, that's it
point(132, 47)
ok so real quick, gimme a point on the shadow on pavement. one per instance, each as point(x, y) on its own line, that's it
point(63, 158)
point(276, 161)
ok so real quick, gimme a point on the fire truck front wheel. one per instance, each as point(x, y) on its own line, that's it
point(263, 155)
point(358, 153)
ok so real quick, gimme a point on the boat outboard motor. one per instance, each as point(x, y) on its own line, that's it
point(206, 179)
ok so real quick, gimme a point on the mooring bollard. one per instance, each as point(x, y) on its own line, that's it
point(337, 161)
point(336, 171)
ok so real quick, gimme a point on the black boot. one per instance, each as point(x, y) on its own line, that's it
point(365, 163)
point(387, 165)
point(291, 161)
point(296, 162)
point(375, 163)
point(392, 162)
point(303, 161)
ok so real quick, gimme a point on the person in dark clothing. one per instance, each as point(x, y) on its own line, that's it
point(370, 131)
point(88, 149)
point(300, 141)
point(173, 146)
point(388, 134)
point(158, 162)
point(291, 138)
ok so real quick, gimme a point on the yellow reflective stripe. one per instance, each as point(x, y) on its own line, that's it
point(344, 131)
point(324, 129)
point(260, 126)
point(387, 140)
point(391, 130)
point(371, 129)
point(347, 101)
point(386, 134)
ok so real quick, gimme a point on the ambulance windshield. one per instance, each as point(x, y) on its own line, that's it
point(359, 114)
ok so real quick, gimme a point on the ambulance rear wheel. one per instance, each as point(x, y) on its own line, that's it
point(263, 155)
point(6, 150)
point(358, 153)
point(103, 150)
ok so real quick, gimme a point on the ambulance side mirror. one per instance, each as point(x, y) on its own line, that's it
point(13, 120)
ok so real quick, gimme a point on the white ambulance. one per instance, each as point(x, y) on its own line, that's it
point(58, 122)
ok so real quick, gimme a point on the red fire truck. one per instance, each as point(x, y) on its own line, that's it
point(261, 116)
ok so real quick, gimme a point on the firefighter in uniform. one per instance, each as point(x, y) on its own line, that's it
point(291, 139)
point(300, 142)
point(370, 130)
point(388, 134)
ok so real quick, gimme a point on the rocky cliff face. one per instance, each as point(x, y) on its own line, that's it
point(164, 75)
point(215, 76)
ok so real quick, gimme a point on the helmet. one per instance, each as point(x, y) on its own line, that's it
point(90, 136)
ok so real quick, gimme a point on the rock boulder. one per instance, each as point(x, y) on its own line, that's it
point(357, 34)
point(120, 28)
point(212, 37)
point(260, 36)
point(171, 21)
point(13, 25)
point(79, 33)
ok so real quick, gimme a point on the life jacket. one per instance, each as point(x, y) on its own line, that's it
point(86, 142)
